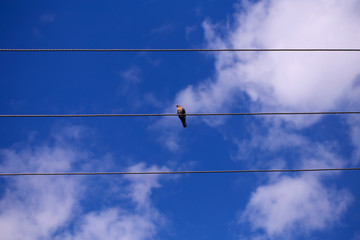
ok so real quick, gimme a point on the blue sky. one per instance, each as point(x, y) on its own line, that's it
point(223, 206)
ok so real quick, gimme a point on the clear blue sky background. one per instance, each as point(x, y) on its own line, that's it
point(218, 206)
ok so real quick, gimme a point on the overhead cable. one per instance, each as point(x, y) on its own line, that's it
point(180, 50)
point(171, 114)
point(177, 172)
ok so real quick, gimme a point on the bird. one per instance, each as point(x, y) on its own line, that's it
point(181, 113)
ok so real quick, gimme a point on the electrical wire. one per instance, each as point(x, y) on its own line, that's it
point(184, 50)
point(179, 172)
point(171, 114)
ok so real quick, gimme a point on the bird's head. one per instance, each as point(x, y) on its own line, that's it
point(177, 105)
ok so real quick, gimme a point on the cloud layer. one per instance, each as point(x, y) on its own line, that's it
point(44, 207)
point(293, 205)
point(282, 81)
point(34, 207)
point(286, 81)
point(117, 222)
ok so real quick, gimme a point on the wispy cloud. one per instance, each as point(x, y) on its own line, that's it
point(285, 82)
point(43, 207)
point(288, 82)
point(293, 205)
point(34, 207)
point(47, 18)
point(189, 30)
point(130, 80)
point(142, 222)
point(282, 81)
point(269, 140)
point(131, 75)
point(130, 87)
point(166, 28)
point(141, 186)
point(299, 204)
point(114, 223)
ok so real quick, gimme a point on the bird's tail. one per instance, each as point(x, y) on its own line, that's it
point(183, 123)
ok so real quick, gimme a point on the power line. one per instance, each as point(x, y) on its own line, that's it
point(171, 114)
point(183, 50)
point(180, 172)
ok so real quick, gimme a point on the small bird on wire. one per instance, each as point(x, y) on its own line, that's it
point(181, 113)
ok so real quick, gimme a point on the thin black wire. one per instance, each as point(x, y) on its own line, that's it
point(171, 114)
point(186, 50)
point(180, 172)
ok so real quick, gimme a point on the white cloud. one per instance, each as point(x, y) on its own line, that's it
point(143, 222)
point(131, 75)
point(129, 88)
point(306, 153)
point(142, 185)
point(116, 224)
point(34, 207)
point(270, 140)
point(286, 81)
point(43, 207)
point(295, 205)
point(288, 206)
point(130, 79)
point(279, 81)
point(168, 129)
point(282, 81)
